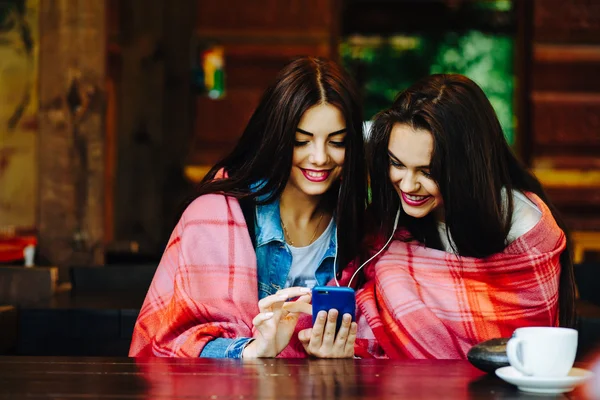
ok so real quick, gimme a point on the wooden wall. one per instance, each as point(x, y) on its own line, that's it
point(151, 120)
point(159, 125)
point(564, 106)
point(259, 37)
point(71, 133)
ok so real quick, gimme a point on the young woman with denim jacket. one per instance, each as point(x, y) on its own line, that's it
point(298, 174)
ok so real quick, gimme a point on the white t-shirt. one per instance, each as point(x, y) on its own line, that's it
point(305, 260)
point(525, 216)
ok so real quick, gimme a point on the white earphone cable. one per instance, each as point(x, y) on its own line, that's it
point(370, 259)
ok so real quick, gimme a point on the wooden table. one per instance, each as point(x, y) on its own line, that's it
point(112, 378)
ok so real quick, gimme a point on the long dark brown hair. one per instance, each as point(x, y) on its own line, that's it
point(471, 162)
point(265, 149)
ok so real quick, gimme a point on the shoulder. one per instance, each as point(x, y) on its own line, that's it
point(204, 205)
point(212, 207)
point(209, 219)
point(525, 215)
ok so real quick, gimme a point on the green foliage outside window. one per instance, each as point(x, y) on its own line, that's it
point(385, 66)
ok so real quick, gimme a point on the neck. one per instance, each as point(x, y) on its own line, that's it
point(298, 207)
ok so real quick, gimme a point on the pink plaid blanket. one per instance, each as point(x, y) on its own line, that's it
point(205, 286)
point(424, 303)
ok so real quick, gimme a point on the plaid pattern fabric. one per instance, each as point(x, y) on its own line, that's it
point(420, 302)
point(205, 286)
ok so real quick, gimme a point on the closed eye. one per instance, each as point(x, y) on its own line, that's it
point(396, 164)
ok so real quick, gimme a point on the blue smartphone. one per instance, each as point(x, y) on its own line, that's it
point(327, 297)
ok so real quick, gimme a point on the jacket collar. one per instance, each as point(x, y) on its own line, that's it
point(268, 223)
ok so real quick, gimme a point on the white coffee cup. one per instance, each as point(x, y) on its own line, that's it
point(542, 351)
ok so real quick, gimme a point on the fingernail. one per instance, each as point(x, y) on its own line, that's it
point(347, 318)
point(305, 290)
point(268, 315)
point(322, 314)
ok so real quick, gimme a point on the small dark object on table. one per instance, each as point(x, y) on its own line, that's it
point(489, 355)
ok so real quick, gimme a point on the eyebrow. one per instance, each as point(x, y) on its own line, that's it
point(400, 162)
point(302, 131)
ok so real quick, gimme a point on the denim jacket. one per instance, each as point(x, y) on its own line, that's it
point(274, 262)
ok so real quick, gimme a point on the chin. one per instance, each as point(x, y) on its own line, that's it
point(313, 191)
point(418, 216)
point(414, 213)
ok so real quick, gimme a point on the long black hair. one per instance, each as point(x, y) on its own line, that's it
point(264, 151)
point(471, 162)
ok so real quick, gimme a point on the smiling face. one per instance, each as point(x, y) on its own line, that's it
point(319, 150)
point(410, 159)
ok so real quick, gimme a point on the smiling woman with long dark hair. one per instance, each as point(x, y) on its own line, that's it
point(263, 227)
point(479, 250)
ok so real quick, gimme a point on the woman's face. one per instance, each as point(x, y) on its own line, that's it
point(410, 152)
point(319, 150)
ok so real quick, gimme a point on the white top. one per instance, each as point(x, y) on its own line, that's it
point(525, 216)
point(305, 260)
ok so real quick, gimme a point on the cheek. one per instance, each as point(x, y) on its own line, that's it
point(339, 156)
point(395, 175)
point(298, 155)
point(433, 190)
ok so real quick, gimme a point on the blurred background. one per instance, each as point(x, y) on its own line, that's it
point(111, 110)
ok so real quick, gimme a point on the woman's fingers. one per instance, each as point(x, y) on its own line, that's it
point(298, 306)
point(349, 349)
point(274, 325)
point(307, 298)
point(316, 337)
point(262, 317)
point(270, 302)
point(304, 337)
point(329, 333)
point(276, 300)
point(322, 340)
point(343, 334)
point(295, 291)
point(281, 314)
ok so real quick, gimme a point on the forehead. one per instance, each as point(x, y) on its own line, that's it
point(322, 119)
point(412, 147)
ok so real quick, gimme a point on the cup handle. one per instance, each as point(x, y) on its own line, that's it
point(511, 351)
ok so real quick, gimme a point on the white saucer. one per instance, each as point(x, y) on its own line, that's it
point(544, 385)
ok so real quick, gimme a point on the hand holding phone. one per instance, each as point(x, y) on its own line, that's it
point(331, 337)
point(325, 298)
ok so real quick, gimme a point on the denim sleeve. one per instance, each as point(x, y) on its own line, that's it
point(225, 348)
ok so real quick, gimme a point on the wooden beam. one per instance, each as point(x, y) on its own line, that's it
point(141, 127)
point(71, 133)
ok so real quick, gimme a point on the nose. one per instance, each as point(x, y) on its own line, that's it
point(319, 155)
point(409, 183)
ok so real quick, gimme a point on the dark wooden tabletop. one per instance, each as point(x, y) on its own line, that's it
point(115, 378)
